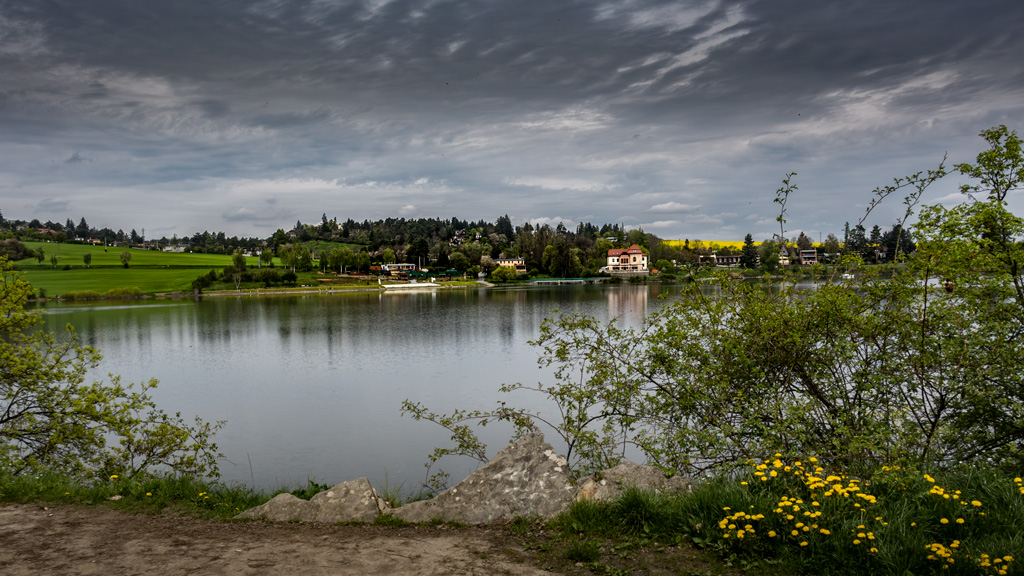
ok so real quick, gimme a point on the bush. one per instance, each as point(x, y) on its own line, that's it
point(51, 419)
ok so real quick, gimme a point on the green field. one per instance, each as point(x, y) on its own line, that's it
point(149, 270)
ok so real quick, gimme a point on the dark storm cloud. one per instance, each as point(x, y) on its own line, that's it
point(667, 115)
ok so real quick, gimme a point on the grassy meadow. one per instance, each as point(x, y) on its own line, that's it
point(150, 271)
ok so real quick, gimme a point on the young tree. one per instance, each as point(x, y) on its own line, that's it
point(748, 258)
point(51, 419)
point(237, 267)
point(769, 254)
point(87, 258)
point(803, 242)
point(126, 257)
point(831, 247)
point(266, 257)
point(504, 274)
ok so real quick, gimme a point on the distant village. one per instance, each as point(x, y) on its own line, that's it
point(409, 248)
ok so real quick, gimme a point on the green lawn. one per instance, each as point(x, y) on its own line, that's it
point(149, 270)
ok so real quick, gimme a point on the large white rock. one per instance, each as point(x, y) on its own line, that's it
point(526, 478)
point(351, 501)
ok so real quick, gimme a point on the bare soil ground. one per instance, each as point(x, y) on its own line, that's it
point(96, 540)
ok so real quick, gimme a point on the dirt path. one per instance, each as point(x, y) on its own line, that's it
point(95, 540)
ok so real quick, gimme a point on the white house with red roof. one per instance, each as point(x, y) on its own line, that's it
point(630, 261)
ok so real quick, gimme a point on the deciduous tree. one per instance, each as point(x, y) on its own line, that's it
point(51, 418)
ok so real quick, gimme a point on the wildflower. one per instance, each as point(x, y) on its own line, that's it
point(771, 533)
point(113, 477)
point(795, 533)
point(804, 543)
point(856, 542)
point(874, 550)
point(975, 503)
point(959, 520)
point(149, 493)
point(944, 521)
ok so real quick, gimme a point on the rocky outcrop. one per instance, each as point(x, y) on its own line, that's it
point(524, 479)
point(352, 501)
point(608, 484)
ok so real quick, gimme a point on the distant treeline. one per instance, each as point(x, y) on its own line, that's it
point(448, 243)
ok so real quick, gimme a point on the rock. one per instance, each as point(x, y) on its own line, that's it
point(352, 501)
point(608, 484)
point(524, 479)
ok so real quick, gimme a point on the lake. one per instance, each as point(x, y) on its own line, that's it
point(311, 386)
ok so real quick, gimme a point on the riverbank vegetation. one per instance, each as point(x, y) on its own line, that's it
point(917, 368)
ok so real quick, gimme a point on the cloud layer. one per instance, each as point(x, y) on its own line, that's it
point(680, 117)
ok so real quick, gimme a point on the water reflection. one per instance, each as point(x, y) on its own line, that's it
point(311, 385)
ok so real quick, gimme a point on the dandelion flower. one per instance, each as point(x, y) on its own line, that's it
point(113, 477)
point(771, 533)
point(959, 520)
point(944, 521)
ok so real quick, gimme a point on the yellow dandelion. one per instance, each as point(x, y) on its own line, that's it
point(804, 543)
point(959, 520)
point(771, 533)
point(944, 521)
point(113, 477)
point(975, 503)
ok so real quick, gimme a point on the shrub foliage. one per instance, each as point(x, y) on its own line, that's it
point(918, 363)
point(52, 419)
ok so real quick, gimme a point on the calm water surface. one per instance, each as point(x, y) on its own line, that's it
point(311, 386)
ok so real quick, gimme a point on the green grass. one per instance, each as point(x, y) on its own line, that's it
point(101, 280)
point(805, 520)
point(143, 494)
point(150, 271)
point(72, 254)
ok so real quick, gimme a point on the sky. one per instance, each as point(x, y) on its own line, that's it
point(679, 117)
